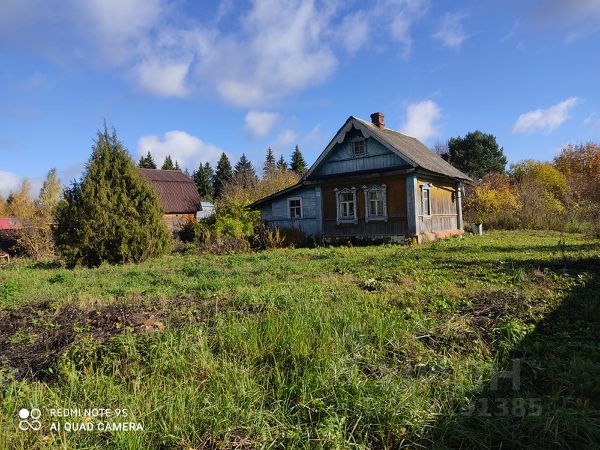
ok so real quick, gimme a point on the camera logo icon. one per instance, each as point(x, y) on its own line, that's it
point(30, 419)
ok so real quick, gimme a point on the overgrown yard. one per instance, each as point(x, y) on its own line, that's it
point(371, 347)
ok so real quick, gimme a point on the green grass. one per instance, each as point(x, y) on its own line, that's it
point(365, 347)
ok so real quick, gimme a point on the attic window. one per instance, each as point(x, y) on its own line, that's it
point(359, 148)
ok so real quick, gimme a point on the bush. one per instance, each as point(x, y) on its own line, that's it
point(266, 237)
point(113, 214)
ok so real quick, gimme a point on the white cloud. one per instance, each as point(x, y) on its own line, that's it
point(353, 31)
point(451, 33)
point(163, 78)
point(592, 120)
point(188, 150)
point(421, 120)
point(9, 182)
point(259, 123)
point(547, 119)
point(284, 140)
point(264, 51)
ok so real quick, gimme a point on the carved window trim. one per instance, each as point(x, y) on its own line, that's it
point(338, 205)
point(375, 188)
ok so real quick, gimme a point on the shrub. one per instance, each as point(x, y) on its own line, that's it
point(112, 214)
point(492, 202)
point(266, 237)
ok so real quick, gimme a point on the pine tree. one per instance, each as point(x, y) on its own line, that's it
point(269, 165)
point(168, 164)
point(223, 175)
point(177, 165)
point(281, 164)
point(147, 162)
point(112, 214)
point(244, 173)
point(297, 163)
point(204, 178)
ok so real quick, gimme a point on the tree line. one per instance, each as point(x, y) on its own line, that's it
point(212, 183)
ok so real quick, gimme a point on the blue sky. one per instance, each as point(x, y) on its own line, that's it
point(195, 78)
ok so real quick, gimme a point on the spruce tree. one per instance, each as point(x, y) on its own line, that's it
point(297, 163)
point(244, 173)
point(204, 178)
point(113, 213)
point(168, 164)
point(281, 164)
point(147, 162)
point(223, 175)
point(177, 165)
point(269, 165)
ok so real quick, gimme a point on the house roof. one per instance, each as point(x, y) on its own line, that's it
point(413, 151)
point(409, 148)
point(10, 223)
point(177, 192)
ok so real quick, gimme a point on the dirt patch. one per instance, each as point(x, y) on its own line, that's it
point(33, 337)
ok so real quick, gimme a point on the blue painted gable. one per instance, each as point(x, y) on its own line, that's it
point(341, 159)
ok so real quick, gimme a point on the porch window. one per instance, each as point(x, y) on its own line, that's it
point(346, 205)
point(426, 200)
point(375, 202)
point(295, 208)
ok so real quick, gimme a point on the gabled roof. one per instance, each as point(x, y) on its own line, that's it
point(408, 148)
point(177, 192)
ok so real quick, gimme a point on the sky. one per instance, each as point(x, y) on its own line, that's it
point(194, 79)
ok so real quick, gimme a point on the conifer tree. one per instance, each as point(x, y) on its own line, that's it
point(281, 164)
point(223, 175)
point(269, 165)
point(204, 178)
point(147, 162)
point(113, 213)
point(244, 173)
point(177, 165)
point(297, 163)
point(168, 164)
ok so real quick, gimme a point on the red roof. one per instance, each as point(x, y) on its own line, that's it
point(178, 192)
point(10, 223)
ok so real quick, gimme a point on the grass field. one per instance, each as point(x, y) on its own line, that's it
point(364, 347)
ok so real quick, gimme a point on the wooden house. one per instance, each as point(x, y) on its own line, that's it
point(371, 182)
point(178, 196)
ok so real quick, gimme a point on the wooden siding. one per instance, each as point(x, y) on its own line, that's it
point(176, 221)
point(443, 207)
point(396, 224)
point(277, 215)
point(340, 160)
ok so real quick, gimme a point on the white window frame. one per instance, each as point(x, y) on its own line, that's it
point(426, 187)
point(364, 153)
point(338, 205)
point(291, 199)
point(375, 188)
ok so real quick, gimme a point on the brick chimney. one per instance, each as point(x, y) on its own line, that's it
point(377, 120)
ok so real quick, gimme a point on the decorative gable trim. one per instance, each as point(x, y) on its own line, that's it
point(340, 136)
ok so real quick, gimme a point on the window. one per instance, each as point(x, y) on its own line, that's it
point(375, 202)
point(346, 205)
point(359, 148)
point(425, 200)
point(295, 208)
